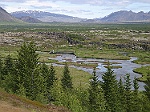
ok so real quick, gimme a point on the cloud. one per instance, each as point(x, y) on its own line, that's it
point(13, 1)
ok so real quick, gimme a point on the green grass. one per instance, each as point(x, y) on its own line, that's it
point(79, 78)
point(144, 71)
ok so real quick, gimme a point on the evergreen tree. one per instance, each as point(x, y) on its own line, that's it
point(96, 97)
point(1, 67)
point(8, 74)
point(128, 94)
point(66, 80)
point(147, 87)
point(27, 62)
point(136, 105)
point(8, 66)
point(50, 80)
point(121, 92)
point(110, 87)
point(39, 91)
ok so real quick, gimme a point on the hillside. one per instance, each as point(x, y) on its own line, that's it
point(127, 16)
point(29, 19)
point(6, 17)
point(46, 16)
point(14, 103)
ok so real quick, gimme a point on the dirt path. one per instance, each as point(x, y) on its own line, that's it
point(8, 107)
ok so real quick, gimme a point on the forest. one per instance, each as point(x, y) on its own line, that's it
point(30, 78)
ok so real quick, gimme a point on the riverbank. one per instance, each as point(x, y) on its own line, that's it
point(144, 71)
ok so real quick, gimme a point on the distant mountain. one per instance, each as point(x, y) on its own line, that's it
point(6, 17)
point(29, 19)
point(46, 16)
point(127, 16)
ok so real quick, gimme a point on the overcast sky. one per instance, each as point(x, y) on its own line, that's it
point(77, 8)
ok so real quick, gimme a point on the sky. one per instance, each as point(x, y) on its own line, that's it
point(77, 8)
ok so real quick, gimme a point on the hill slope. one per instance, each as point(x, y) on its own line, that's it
point(29, 19)
point(127, 16)
point(6, 17)
point(14, 103)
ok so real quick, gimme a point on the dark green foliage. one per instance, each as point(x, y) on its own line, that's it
point(110, 88)
point(8, 65)
point(128, 94)
point(136, 105)
point(52, 77)
point(27, 63)
point(121, 95)
point(97, 102)
point(8, 75)
point(147, 88)
point(66, 80)
point(1, 67)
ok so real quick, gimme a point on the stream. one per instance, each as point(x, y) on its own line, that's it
point(127, 66)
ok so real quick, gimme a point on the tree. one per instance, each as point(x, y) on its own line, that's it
point(8, 66)
point(110, 88)
point(66, 80)
point(97, 102)
point(8, 74)
point(1, 67)
point(51, 77)
point(128, 94)
point(147, 88)
point(27, 63)
point(121, 92)
point(136, 105)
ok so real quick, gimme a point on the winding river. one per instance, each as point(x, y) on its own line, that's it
point(127, 66)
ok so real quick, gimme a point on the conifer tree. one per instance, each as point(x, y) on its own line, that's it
point(8, 74)
point(51, 77)
point(110, 87)
point(27, 62)
point(50, 80)
point(1, 67)
point(136, 105)
point(128, 94)
point(97, 102)
point(121, 95)
point(147, 88)
point(66, 80)
point(8, 65)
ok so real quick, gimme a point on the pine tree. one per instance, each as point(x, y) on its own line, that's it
point(121, 92)
point(8, 66)
point(1, 67)
point(39, 91)
point(110, 88)
point(8, 74)
point(97, 102)
point(51, 77)
point(128, 94)
point(147, 87)
point(50, 80)
point(136, 105)
point(27, 63)
point(66, 80)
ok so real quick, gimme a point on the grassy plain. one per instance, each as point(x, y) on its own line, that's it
point(88, 40)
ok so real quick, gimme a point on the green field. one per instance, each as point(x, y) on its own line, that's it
point(101, 41)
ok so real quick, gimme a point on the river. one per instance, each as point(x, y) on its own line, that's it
point(127, 66)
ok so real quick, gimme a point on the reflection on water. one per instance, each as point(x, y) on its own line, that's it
point(127, 66)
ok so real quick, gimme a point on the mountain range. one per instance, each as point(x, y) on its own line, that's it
point(41, 16)
point(45, 16)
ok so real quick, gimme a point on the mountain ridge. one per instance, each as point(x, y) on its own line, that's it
point(126, 16)
point(45, 16)
point(6, 17)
